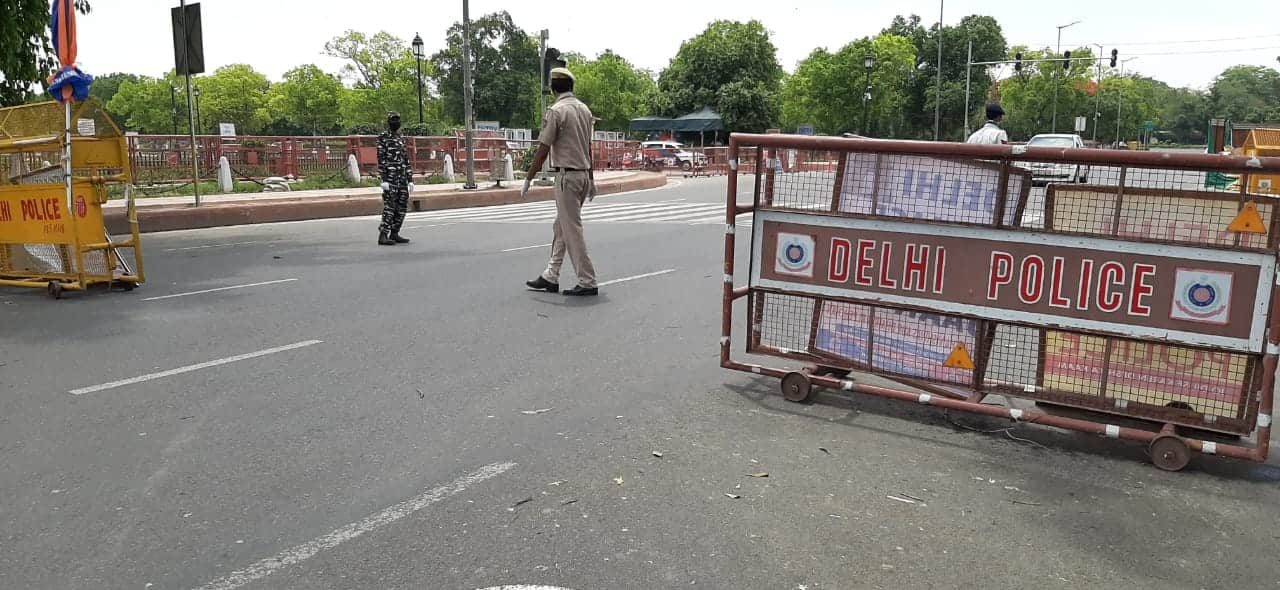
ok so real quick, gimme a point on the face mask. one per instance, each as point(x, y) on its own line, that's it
point(394, 124)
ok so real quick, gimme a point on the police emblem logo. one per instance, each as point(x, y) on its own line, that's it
point(795, 255)
point(1202, 296)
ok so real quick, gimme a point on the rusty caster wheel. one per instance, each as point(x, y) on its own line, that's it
point(1169, 453)
point(796, 387)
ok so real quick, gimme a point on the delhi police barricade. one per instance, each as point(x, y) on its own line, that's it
point(1099, 280)
point(51, 233)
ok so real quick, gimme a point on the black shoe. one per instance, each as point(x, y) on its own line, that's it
point(399, 240)
point(581, 291)
point(385, 240)
point(541, 284)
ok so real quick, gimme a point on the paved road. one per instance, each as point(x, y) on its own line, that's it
point(291, 406)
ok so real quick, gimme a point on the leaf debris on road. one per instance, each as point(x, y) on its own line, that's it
point(1025, 503)
point(535, 412)
point(758, 474)
point(732, 496)
point(657, 454)
point(524, 501)
point(421, 395)
point(618, 480)
point(568, 502)
point(903, 500)
point(824, 449)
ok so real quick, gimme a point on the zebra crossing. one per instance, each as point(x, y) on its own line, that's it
point(675, 211)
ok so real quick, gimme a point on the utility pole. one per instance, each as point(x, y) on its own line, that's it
point(968, 81)
point(1097, 94)
point(469, 119)
point(1120, 99)
point(191, 107)
point(1055, 76)
point(542, 74)
point(937, 97)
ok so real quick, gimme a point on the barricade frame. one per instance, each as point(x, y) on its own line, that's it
point(1170, 439)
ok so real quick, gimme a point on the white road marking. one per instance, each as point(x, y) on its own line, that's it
point(210, 246)
point(526, 248)
point(643, 276)
point(190, 368)
point(219, 289)
point(525, 587)
point(305, 551)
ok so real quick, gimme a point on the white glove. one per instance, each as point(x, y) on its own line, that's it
point(411, 188)
point(524, 190)
point(386, 187)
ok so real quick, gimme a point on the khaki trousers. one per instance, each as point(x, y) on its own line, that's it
point(572, 189)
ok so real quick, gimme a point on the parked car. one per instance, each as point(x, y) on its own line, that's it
point(673, 153)
point(1046, 172)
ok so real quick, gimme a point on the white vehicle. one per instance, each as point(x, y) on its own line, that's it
point(675, 153)
point(1046, 172)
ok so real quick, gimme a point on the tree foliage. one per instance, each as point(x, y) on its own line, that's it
point(827, 86)
point(234, 94)
point(615, 90)
point(150, 105)
point(26, 53)
point(505, 67)
point(307, 100)
point(732, 67)
point(1249, 94)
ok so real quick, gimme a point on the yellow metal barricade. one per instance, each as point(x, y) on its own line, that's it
point(51, 237)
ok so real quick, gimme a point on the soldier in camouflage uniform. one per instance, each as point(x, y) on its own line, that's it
point(397, 182)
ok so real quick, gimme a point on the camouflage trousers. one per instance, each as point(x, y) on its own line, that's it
point(395, 203)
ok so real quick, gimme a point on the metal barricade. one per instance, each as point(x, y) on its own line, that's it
point(1109, 283)
point(51, 229)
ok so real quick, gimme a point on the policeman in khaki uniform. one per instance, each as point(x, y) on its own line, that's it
point(566, 135)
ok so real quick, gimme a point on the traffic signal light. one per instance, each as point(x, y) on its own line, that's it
point(1114, 54)
point(1017, 62)
point(551, 60)
point(1066, 57)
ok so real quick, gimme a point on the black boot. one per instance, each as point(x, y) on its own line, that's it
point(395, 237)
point(385, 240)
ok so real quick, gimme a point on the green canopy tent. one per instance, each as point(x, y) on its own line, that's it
point(700, 122)
point(651, 124)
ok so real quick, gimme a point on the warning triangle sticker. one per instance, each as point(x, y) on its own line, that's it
point(1248, 221)
point(959, 358)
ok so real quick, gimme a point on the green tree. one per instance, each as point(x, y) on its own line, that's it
point(826, 87)
point(988, 45)
point(1027, 97)
point(104, 88)
point(307, 99)
point(615, 90)
point(26, 53)
point(732, 67)
point(368, 57)
point(1248, 94)
point(150, 105)
point(234, 94)
point(504, 67)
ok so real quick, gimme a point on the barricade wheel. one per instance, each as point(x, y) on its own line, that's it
point(1169, 453)
point(55, 289)
point(796, 387)
point(128, 286)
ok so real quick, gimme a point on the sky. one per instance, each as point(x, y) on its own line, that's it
point(1181, 42)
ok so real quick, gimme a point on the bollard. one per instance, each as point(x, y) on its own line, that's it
point(448, 168)
point(353, 169)
point(508, 169)
point(225, 184)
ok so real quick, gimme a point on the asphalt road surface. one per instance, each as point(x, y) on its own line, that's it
point(292, 406)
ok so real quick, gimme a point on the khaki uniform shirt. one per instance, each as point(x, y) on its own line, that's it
point(566, 129)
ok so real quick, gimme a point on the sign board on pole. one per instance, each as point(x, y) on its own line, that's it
point(227, 129)
point(807, 129)
point(1082, 123)
point(487, 126)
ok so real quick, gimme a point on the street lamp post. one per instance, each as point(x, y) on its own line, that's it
point(869, 62)
point(173, 98)
point(199, 123)
point(1097, 92)
point(1055, 75)
point(419, 53)
point(937, 95)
